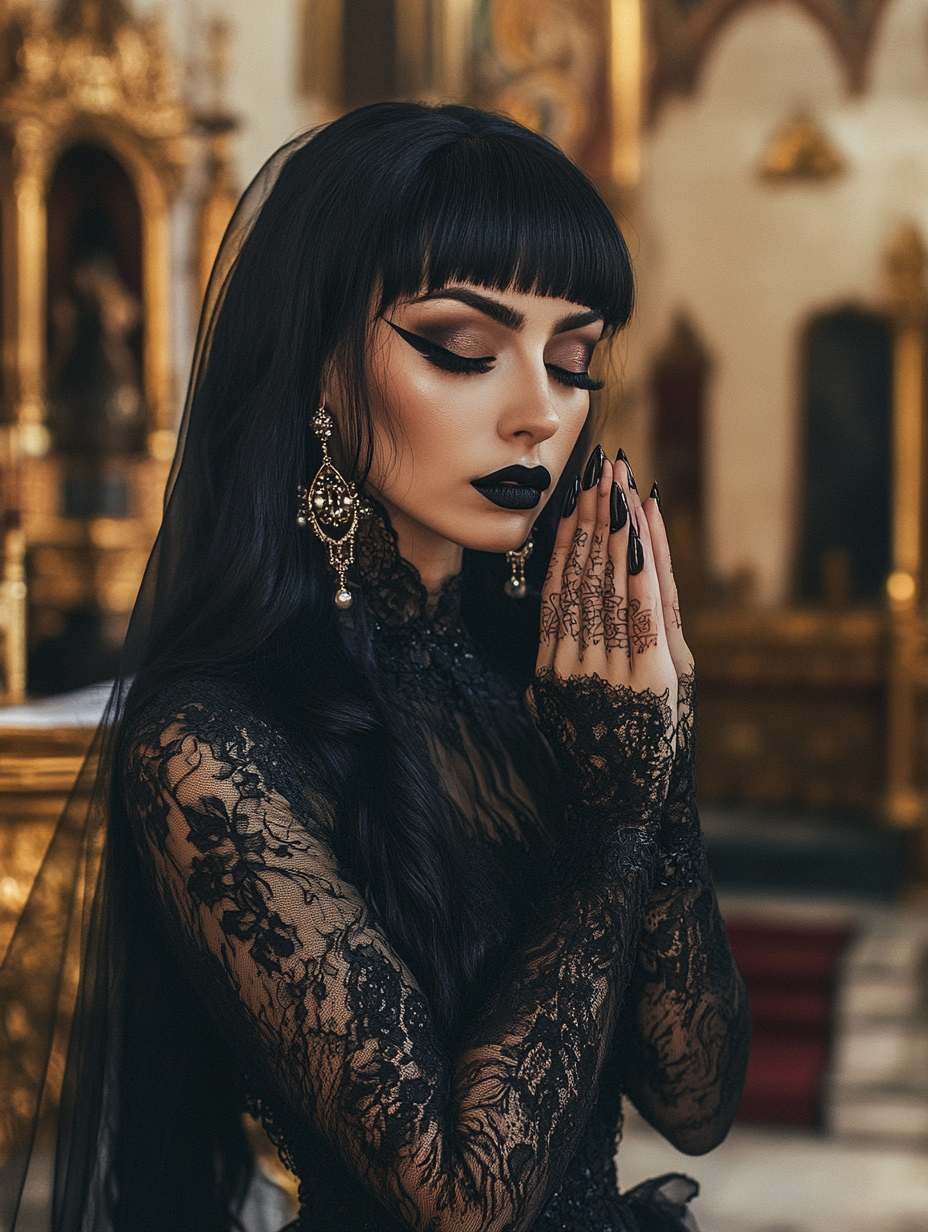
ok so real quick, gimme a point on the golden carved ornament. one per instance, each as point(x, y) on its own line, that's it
point(802, 151)
point(545, 66)
point(93, 60)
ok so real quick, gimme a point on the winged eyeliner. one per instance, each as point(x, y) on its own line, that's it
point(452, 362)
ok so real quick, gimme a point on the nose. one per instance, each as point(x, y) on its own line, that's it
point(529, 414)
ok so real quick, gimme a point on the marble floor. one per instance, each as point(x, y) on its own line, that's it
point(764, 1180)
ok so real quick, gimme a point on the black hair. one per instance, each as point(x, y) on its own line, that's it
point(388, 201)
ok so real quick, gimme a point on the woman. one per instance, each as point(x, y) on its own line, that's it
point(431, 927)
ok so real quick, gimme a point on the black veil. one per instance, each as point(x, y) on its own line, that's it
point(64, 973)
point(86, 955)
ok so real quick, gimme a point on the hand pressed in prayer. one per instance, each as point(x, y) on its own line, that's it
point(611, 642)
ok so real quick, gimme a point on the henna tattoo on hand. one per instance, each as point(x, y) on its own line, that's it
point(615, 614)
point(568, 600)
point(560, 609)
point(641, 626)
point(550, 618)
point(592, 632)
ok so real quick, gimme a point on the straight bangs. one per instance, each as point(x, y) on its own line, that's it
point(508, 213)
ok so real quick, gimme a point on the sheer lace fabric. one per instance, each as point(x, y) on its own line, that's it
point(611, 976)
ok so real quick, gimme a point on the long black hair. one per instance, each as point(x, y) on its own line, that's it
point(386, 202)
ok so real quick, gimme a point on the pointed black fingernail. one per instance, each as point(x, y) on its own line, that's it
point(570, 500)
point(618, 509)
point(635, 550)
point(594, 469)
point(622, 456)
point(655, 495)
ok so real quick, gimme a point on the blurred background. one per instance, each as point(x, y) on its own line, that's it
point(768, 162)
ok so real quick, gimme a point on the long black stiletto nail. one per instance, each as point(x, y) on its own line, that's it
point(635, 550)
point(655, 495)
point(594, 469)
point(618, 509)
point(622, 456)
point(570, 500)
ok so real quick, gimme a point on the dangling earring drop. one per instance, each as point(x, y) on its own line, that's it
point(331, 506)
point(515, 586)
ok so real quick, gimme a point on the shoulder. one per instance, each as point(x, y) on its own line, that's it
point(209, 735)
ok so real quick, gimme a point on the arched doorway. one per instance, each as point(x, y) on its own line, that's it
point(679, 382)
point(847, 406)
point(97, 416)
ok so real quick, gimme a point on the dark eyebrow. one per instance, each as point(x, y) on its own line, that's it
point(483, 303)
point(576, 319)
point(503, 313)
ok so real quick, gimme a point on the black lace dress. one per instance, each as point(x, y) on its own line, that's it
point(607, 966)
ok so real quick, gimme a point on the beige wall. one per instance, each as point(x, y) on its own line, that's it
point(750, 261)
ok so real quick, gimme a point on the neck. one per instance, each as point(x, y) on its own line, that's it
point(435, 558)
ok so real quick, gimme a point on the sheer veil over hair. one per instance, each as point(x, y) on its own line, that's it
point(60, 966)
point(154, 1107)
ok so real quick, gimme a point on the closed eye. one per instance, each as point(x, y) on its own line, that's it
point(441, 357)
point(577, 380)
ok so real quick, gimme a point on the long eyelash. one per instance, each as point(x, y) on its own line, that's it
point(441, 357)
point(577, 380)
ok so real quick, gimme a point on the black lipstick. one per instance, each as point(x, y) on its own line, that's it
point(514, 487)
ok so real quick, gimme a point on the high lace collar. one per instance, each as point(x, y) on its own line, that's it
point(394, 594)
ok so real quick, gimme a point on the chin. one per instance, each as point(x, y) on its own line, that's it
point(501, 531)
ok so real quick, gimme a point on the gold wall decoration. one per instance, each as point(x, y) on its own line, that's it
point(626, 89)
point(546, 66)
point(573, 70)
point(87, 76)
point(93, 75)
point(412, 49)
point(801, 151)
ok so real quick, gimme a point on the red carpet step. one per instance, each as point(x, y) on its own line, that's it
point(790, 975)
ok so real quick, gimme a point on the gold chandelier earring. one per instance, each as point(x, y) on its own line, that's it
point(331, 506)
point(515, 586)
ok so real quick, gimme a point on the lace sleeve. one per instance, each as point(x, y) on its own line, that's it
point(236, 849)
point(613, 746)
point(686, 1029)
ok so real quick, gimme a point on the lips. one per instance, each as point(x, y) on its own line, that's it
point(514, 487)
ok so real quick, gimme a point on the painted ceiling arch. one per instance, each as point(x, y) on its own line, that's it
point(682, 32)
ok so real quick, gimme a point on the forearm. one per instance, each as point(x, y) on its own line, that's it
point(686, 1030)
point(529, 1076)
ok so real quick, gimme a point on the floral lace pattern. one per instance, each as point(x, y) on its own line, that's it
point(682, 947)
point(613, 744)
point(516, 1128)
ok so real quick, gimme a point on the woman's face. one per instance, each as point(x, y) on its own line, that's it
point(465, 383)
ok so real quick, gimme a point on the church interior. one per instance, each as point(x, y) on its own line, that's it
point(768, 163)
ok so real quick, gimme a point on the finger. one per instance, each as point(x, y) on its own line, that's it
point(631, 487)
point(593, 584)
point(651, 662)
point(615, 601)
point(568, 651)
point(551, 625)
point(679, 651)
point(645, 616)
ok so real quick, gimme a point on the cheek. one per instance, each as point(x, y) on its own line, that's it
point(424, 425)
